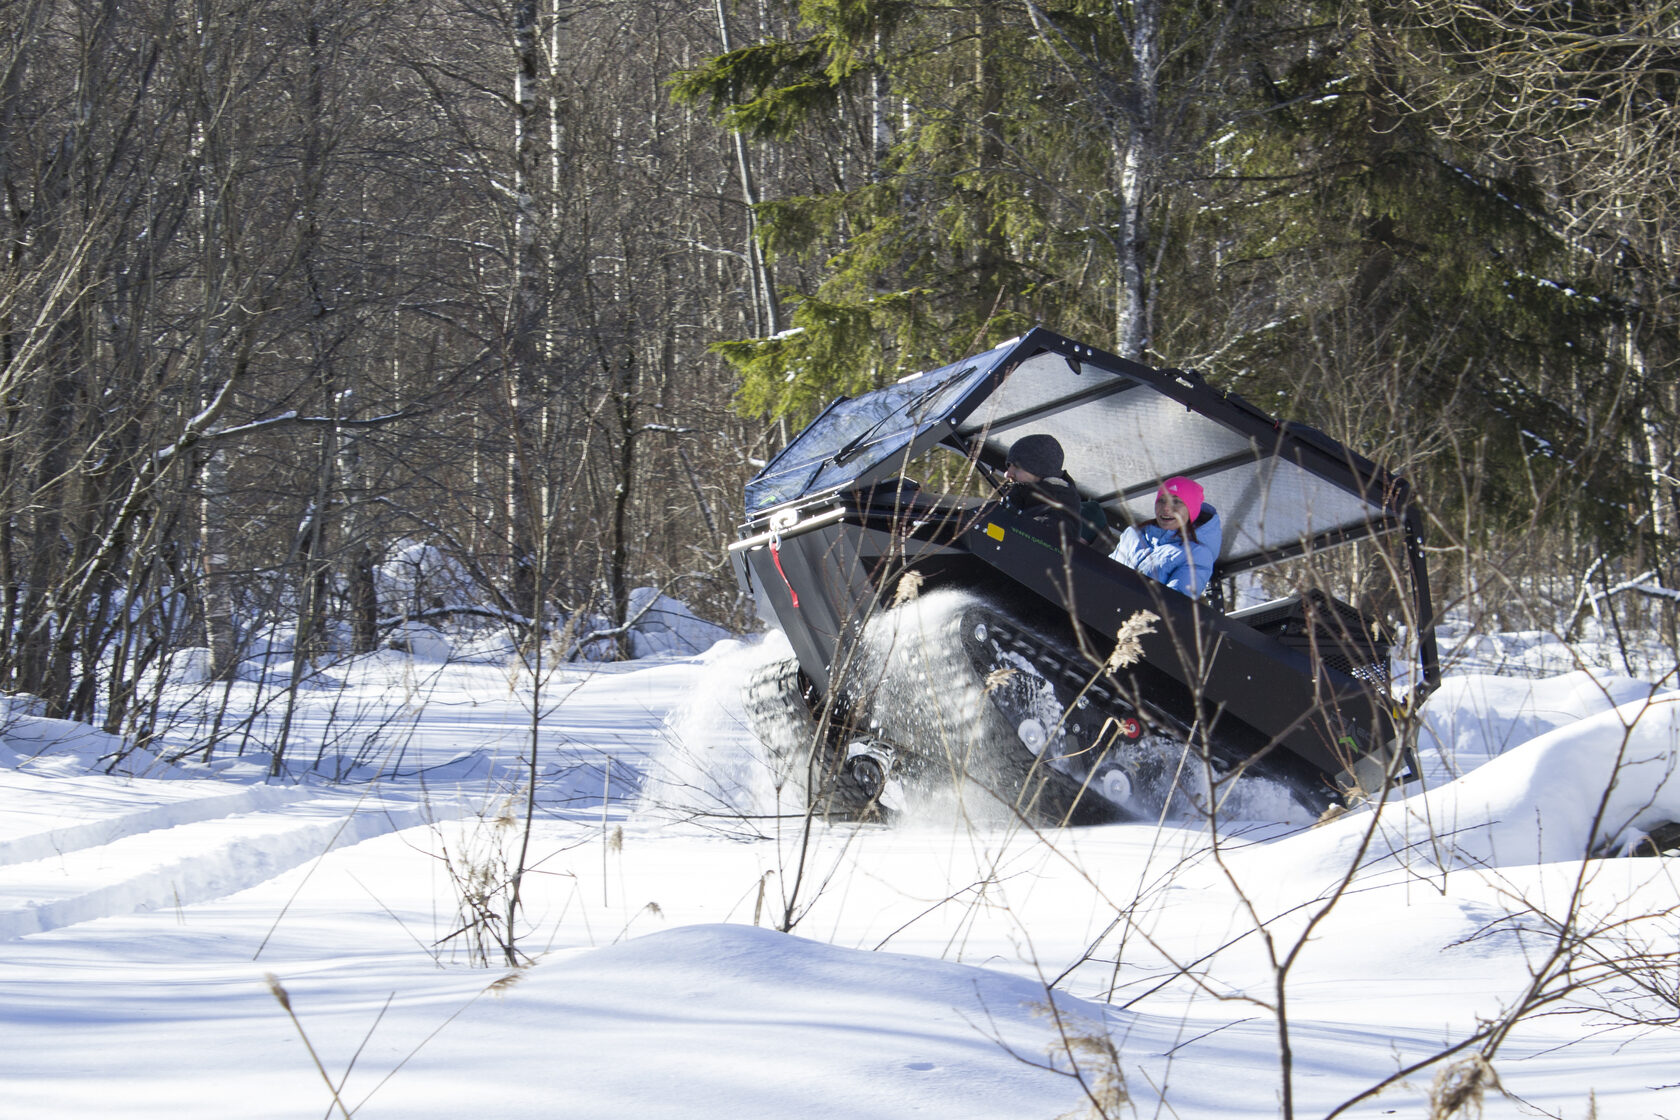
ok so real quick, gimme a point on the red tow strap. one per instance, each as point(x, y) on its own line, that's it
point(776, 558)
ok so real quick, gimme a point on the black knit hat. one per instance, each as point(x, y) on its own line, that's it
point(1037, 454)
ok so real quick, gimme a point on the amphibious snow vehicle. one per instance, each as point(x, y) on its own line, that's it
point(1017, 687)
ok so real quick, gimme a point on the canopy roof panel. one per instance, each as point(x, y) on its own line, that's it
point(1281, 489)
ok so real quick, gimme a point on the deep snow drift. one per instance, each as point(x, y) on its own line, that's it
point(151, 918)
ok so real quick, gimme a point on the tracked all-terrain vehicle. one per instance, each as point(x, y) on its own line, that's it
point(943, 638)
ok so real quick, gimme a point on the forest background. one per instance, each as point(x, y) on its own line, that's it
point(294, 288)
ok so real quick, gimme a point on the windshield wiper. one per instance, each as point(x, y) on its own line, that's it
point(856, 442)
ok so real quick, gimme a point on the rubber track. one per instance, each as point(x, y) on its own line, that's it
point(952, 707)
point(780, 717)
point(1168, 774)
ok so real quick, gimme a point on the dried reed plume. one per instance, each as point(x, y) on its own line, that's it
point(1128, 640)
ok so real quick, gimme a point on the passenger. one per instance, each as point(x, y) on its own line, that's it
point(1042, 490)
point(1178, 547)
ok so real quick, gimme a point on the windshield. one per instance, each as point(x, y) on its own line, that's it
point(854, 436)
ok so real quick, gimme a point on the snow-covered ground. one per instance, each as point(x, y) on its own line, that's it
point(191, 938)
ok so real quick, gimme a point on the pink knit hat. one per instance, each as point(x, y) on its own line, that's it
point(1187, 491)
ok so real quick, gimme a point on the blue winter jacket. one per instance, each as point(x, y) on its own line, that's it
point(1160, 553)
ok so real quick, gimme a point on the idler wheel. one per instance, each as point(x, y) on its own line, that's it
point(870, 775)
point(1114, 784)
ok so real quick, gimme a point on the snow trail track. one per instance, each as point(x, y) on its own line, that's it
point(191, 849)
point(80, 845)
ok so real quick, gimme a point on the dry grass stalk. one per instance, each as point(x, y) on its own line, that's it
point(1095, 1062)
point(1128, 640)
point(1331, 812)
point(279, 992)
point(909, 587)
point(505, 983)
point(1460, 1087)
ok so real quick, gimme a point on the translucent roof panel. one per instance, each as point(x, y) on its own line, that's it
point(1267, 503)
point(1117, 433)
point(1123, 427)
point(1122, 435)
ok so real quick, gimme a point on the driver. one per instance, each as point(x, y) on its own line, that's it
point(1041, 490)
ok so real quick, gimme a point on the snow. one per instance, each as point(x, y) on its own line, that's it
point(185, 937)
